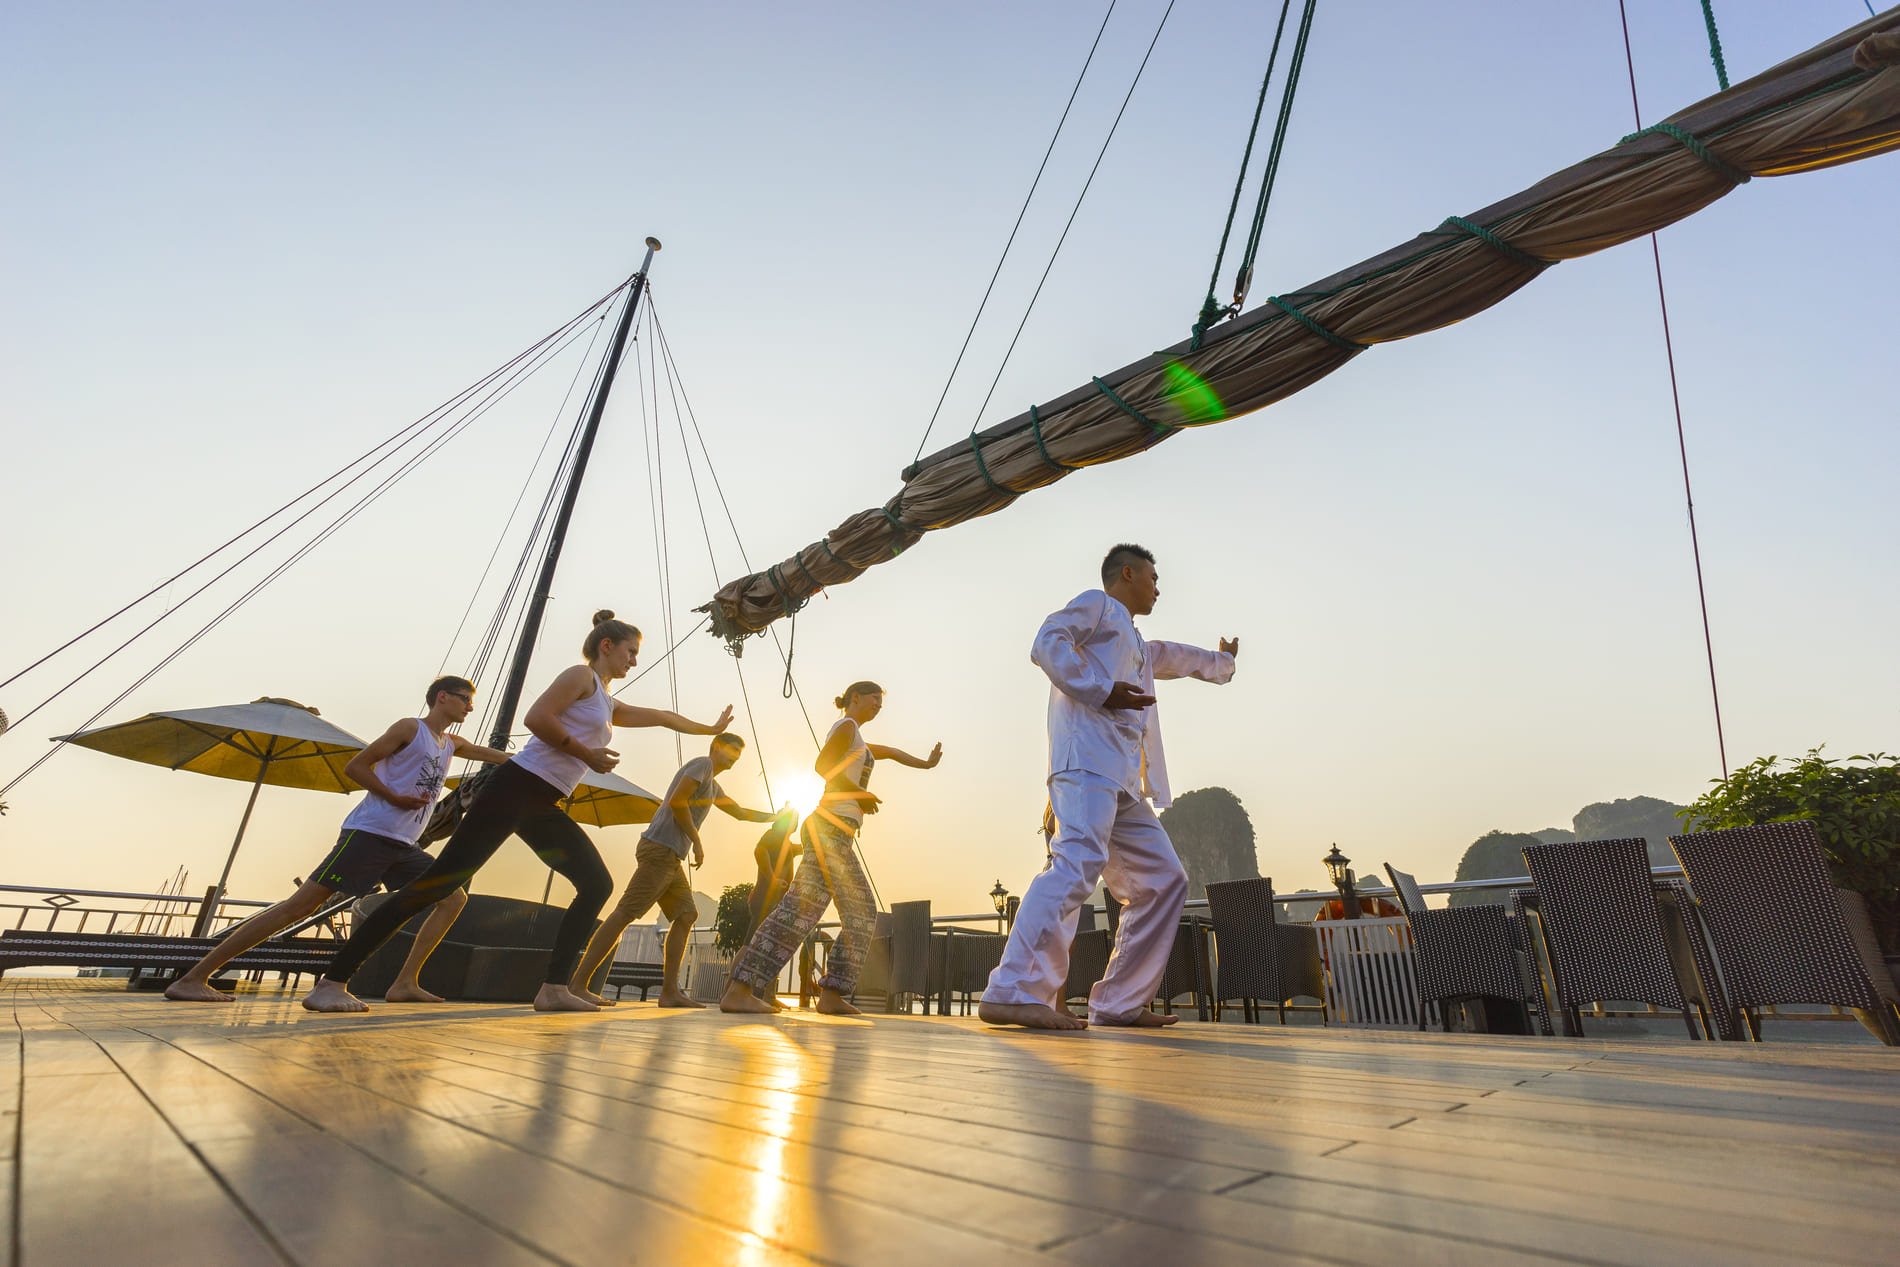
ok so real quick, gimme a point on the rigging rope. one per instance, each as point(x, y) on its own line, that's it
point(998, 271)
point(1682, 444)
point(401, 437)
point(454, 429)
point(1210, 310)
point(1159, 27)
point(1243, 279)
point(1715, 43)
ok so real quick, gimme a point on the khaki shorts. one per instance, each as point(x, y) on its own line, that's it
point(659, 876)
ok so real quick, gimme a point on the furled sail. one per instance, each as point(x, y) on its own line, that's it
point(1838, 102)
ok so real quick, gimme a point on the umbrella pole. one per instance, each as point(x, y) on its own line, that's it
point(217, 894)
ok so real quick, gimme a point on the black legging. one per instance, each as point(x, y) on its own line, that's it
point(515, 802)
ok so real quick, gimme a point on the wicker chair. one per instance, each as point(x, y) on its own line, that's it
point(1466, 951)
point(971, 959)
point(1259, 959)
point(910, 954)
point(1605, 934)
point(1088, 960)
point(1782, 930)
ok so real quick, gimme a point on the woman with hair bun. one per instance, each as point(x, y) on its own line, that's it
point(830, 870)
point(571, 724)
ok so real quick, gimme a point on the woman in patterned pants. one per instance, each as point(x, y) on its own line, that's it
point(830, 870)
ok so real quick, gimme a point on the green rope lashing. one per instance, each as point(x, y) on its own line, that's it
point(1337, 340)
point(1159, 429)
point(1695, 145)
point(824, 544)
point(778, 587)
point(898, 530)
point(1035, 429)
point(982, 468)
point(1496, 243)
point(1715, 45)
point(810, 580)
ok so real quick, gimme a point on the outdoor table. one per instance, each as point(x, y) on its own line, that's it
point(1690, 957)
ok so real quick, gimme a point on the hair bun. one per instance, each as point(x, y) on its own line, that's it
point(602, 616)
point(838, 702)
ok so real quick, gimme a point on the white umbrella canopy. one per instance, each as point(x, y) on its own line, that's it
point(269, 740)
point(605, 800)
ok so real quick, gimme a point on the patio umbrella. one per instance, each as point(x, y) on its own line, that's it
point(275, 741)
point(605, 800)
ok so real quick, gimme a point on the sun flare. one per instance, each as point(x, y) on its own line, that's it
point(802, 792)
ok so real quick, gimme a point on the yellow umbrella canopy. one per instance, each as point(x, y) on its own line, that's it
point(605, 800)
point(275, 741)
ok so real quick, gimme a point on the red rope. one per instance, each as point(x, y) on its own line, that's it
point(1682, 444)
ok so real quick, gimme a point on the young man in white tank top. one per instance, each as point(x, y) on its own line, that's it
point(402, 771)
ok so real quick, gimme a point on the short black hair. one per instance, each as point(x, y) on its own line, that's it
point(448, 682)
point(1120, 557)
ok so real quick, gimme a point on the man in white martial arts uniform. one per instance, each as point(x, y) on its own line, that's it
point(1105, 765)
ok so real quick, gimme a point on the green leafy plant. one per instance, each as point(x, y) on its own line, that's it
point(734, 918)
point(1854, 803)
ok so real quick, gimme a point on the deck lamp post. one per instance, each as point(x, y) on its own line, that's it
point(1339, 867)
point(999, 897)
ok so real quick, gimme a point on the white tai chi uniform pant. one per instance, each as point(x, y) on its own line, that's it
point(1105, 835)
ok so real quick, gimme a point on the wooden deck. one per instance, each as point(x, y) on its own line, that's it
point(148, 1132)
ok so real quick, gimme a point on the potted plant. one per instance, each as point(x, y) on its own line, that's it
point(730, 924)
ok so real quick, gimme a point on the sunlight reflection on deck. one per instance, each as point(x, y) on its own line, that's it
point(775, 1067)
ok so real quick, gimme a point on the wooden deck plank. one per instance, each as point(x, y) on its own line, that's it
point(495, 1134)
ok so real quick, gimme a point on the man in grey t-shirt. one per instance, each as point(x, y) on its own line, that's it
point(658, 874)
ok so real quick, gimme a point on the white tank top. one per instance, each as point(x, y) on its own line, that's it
point(857, 772)
point(418, 766)
point(591, 722)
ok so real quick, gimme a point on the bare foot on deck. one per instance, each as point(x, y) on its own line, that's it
point(831, 1003)
point(185, 990)
point(403, 992)
point(582, 992)
point(558, 998)
point(333, 996)
point(673, 998)
point(1142, 1020)
point(739, 998)
point(1028, 1015)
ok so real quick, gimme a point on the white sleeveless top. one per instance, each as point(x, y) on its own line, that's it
point(856, 771)
point(419, 767)
point(591, 722)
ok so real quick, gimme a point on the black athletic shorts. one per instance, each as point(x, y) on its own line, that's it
point(362, 860)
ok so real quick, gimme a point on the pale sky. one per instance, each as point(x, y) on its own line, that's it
point(241, 245)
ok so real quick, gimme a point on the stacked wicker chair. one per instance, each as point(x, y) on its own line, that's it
point(1782, 930)
point(1463, 951)
point(1605, 935)
point(1260, 960)
point(910, 954)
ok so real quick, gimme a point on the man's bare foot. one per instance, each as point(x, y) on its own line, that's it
point(1141, 1020)
point(582, 992)
point(185, 990)
point(1028, 1015)
point(558, 998)
point(739, 998)
point(407, 992)
point(831, 1003)
point(333, 996)
point(673, 998)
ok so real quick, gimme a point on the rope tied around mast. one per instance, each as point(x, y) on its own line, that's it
point(983, 469)
point(1337, 340)
point(1696, 146)
point(1516, 255)
point(1035, 430)
point(1160, 429)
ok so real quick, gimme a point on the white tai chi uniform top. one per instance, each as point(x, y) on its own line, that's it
point(1104, 766)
